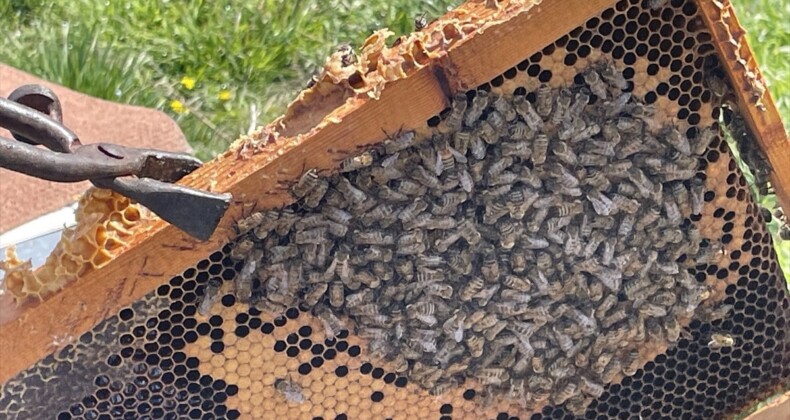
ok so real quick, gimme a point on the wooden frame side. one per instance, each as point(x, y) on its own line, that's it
point(753, 96)
point(159, 251)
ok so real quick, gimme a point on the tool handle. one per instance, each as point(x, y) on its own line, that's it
point(37, 128)
point(59, 167)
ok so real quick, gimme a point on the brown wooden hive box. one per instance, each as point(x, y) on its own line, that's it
point(405, 241)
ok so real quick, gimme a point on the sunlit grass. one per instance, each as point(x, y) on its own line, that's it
point(247, 58)
point(767, 23)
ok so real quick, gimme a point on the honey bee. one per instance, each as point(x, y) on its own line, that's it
point(210, 296)
point(462, 139)
point(331, 323)
point(475, 111)
point(242, 249)
point(337, 294)
point(243, 280)
point(600, 202)
point(625, 204)
point(315, 293)
point(290, 390)
point(306, 183)
point(401, 142)
point(465, 180)
point(449, 202)
point(423, 311)
point(601, 362)
point(564, 342)
point(632, 363)
point(614, 77)
point(641, 181)
point(477, 146)
point(420, 23)
point(314, 197)
point(354, 163)
point(577, 405)
point(674, 138)
point(250, 222)
point(596, 84)
point(508, 232)
point(497, 122)
point(475, 344)
point(425, 177)
point(527, 112)
point(614, 317)
point(564, 153)
point(494, 210)
point(561, 368)
point(442, 387)
point(423, 340)
point(580, 101)
point(520, 149)
point(622, 103)
point(380, 175)
point(703, 140)
point(454, 327)
point(493, 332)
point(263, 230)
point(543, 100)
point(630, 148)
point(564, 392)
point(652, 310)
point(453, 121)
point(581, 131)
point(311, 236)
point(562, 104)
point(471, 288)
point(347, 55)
point(492, 376)
point(721, 340)
point(672, 328)
point(611, 371)
point(539, 149)
point(486, 322)
point(374, 237)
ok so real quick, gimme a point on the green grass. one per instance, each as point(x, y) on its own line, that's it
point(256, 53)
point(768, 30)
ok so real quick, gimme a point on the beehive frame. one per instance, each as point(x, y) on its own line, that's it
point(512, 38)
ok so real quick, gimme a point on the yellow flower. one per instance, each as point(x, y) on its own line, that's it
point(177, 106)
point(188, 82)
point(224, 95)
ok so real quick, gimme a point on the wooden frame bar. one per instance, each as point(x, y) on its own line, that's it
point(750, 87)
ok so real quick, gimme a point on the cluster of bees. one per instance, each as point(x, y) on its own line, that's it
point(784, 226)
point(532, 244)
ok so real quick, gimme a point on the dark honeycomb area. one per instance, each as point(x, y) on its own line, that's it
point(160, 358)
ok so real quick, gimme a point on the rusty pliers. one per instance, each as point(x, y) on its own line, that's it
point(33, 114)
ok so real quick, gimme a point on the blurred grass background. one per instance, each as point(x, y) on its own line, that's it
point(221, 68)
point(218, 67)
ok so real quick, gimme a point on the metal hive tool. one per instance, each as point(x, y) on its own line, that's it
point(178, 353)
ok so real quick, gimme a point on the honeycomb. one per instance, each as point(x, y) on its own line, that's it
point(104, 221)
point(167, 357)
